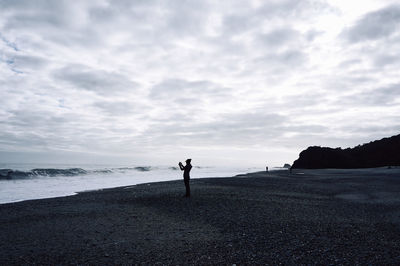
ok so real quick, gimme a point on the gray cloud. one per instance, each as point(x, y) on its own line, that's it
point(237, 129)
point(181, 97)
point(29, 62)
point(246, 18)
point(289, 59)
point(350, 62)
point(98, 81)
point(280, 37)
point(295, 9)
point(121, 108)
point(307, 100)
point(375, 25)
point(382, 96)
point(383, 60)
point(173, 87)
point(376, 130)
point(24, 14)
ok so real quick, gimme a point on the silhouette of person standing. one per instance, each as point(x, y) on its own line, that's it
point(186, 175)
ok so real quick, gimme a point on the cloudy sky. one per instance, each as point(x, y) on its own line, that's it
point(222, 82)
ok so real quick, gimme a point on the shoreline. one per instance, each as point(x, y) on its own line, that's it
point(100, 189)
point(42, 187)
point(319, 217)
point(273, 170)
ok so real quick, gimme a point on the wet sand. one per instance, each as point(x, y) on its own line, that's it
point(308, 217)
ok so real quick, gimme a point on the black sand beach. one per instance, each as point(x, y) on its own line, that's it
point(310, 217)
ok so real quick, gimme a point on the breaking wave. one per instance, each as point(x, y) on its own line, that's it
point(8, 174)
point(143, 168)
point(17, 174)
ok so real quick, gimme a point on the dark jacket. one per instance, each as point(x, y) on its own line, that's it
point(186, 170)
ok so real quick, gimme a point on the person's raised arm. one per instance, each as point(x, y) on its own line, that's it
point(181, 166)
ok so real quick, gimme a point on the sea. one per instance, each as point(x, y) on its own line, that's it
point(19, 182)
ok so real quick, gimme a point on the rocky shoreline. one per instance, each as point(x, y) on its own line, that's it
point(308, 217)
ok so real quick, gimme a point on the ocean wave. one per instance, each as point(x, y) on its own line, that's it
point(7, 174)
point(56, 172)
point(143, 168)
point(123, 168)
point(17, 174)
point(102, 171)
point(137, 168)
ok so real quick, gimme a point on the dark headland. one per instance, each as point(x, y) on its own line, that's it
point(379, 153)
point(325, 217)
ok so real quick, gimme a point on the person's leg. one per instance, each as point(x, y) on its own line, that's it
point(187, 186)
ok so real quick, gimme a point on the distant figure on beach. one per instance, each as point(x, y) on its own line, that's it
point(186, 175)
point(266, 168)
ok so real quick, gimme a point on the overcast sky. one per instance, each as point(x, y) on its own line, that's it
point(233, 82)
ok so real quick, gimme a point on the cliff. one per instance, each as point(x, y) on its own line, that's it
point(384, 152)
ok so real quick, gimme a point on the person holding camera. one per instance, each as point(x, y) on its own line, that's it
point(186, 175)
